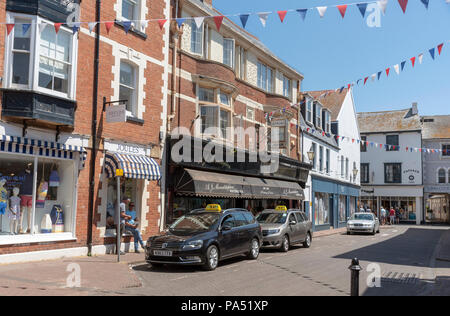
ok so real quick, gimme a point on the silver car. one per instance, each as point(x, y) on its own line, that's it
point(281, 229)
point(363, 223)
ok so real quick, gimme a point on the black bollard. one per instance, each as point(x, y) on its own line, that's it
point(355, 268)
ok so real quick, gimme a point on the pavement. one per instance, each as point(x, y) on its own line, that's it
point(411, 260)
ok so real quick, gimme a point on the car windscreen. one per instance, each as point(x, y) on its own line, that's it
point(362, 217)
point(198, 222)
point(272, 218)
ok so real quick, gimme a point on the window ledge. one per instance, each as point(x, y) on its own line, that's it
point(132, 30)
point(135, 120)
point(33, 239)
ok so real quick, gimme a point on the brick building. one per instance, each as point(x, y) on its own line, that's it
point(48, 89)
point(229, 92)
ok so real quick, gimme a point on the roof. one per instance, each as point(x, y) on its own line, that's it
point(436, 127)
point(333, 101)
point(389, 121)
point(327, 139)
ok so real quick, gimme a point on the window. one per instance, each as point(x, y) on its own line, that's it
point(326, 122)
point(318, 115)
point(224, 99)
point(321, 209)
point(127, 89)
point(342, 166)
point(279, 128)
point(240, 62)
point(441, 176)
point(321, 158)
point(328, 162)
point(365, 173)
point(314, 149)
point(196, 38)
point(309, 111)
point(346, 168)
point(265, 77)
point(392, 143)
point(130, 9)
point(215, 116)
point(342, 208)
point(393, 173)
point(446, 150)
point(363, 144)
point(53, 54)
point(206, 95)
point(287, 87)
point(250, 113)
point(228, 52)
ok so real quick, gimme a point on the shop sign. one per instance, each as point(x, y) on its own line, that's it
point(116, 114)
point(412, 174)
point(437, 189)
point(126, 149)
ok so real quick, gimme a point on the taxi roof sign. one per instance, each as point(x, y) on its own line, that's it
point(281, 208)
point(213, 208)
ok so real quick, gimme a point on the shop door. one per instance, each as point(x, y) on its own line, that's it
point(334, 217)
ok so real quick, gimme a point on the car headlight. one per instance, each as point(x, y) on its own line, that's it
point(273, 231)
point(193, 245)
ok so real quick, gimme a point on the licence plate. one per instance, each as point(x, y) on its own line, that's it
point(162, 253)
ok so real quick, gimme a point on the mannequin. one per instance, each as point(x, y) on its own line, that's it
point(26, 199)
point(3, 200)
point(14, 211)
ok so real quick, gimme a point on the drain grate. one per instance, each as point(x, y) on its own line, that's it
point(400, 277)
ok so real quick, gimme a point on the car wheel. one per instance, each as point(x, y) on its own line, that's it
point(254, 250)
point(212, 258)
point(285, 244)
point(374, 232)
point(308, 241)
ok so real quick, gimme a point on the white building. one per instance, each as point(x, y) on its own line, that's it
point(330, 130)
point(391, 162)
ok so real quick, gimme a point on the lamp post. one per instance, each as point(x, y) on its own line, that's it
point(311, 154)
point(355, 173)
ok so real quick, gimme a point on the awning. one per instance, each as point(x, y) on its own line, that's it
point(133, 166)
point(210, 184)
point(28, 146)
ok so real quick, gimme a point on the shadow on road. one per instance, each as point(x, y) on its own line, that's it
point(412, 248)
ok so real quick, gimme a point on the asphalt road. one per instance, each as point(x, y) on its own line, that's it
point(403, 255)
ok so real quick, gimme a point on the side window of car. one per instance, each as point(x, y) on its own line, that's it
point(300, 218)
point(292, 218)
point(249, 217)
point(228, 221)
point(305, 216)
point(239, 219)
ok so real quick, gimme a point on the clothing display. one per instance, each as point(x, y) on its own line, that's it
point(54, 179)
point(26, 201)
point(14, 208)
point(57, 217)
point(27, 184)
point(3, 200)
point(42, 195)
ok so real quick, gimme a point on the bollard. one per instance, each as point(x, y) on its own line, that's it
point(355, 268)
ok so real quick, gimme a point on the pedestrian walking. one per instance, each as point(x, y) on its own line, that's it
point(392, 216)
point(383, 216)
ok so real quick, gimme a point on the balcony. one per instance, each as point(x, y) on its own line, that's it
point(54, 10)
point(30, 105)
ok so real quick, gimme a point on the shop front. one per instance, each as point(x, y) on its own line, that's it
point(332, 203)
point(406, 200)
point(437, 204)
point(38, 190)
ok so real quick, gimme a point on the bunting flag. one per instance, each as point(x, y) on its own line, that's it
point(365, 80)
point(420, 58)
point(282, 15)
point(263, 17)
point(109, 26)
point(91, 26)
point(362, 8)
point(374, 77)
point(42, 27)
point(180, 22)
point(432, 53)
point(244, 19)
point(403, 5)
point(25, 28)
point(403, 64)
point(425, 3)
point(218, 20)
point(199, 21)
point(9, 28)
point(413, 61)
point(303, 13)
point(440, 48)
point(387, 72)
point(342, 9)
point(76, 27)
point(161, 23)
point(322, 11)
point(126, 26)
point(379, 74)
point(382, 4)
point(57, 27)
point(397, 69)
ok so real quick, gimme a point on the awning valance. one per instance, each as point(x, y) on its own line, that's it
point(28, 146)
point(211, 184)
point(133, 166)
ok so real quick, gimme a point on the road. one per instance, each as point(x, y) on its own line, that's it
point(404, 255)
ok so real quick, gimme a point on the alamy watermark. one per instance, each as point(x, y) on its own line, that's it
point(74, 278)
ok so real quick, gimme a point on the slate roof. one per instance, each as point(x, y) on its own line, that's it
point(437, 126)
point(388, 121)
point(333, 101)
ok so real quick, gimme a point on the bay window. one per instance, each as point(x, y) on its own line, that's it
point(39, 59)
point(287, 87)
point(196, 38)
point(228, 52)
point(309, 111)
point(215, 112)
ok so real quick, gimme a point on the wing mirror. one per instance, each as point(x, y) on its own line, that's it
point(226, 228)
point(292, 223)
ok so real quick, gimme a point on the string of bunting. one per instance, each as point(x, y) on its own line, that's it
point(218, 20)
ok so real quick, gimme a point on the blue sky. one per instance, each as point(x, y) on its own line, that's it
point(332, 52)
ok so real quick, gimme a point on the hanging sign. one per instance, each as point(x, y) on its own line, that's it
point(116, 114)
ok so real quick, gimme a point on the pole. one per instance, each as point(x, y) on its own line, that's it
point(119, 232)
point(355, 268)
point(94, 133)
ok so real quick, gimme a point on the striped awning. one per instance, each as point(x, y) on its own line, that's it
point(28, 146)
point(133, 166)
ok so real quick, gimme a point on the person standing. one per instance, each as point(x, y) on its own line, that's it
point(132, 226)
point(383, 216)
point(392, 216)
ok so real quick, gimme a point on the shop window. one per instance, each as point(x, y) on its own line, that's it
point(127, 91)
point(128, 188)
point(393, 173)
point(54, 53)
point(342, 208)
point(352, 206)
point(321, 209)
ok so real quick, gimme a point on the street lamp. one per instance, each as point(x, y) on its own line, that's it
point(311, 154)
point(355, 173)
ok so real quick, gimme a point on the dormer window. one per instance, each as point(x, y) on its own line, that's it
point(318, 115)
point(309, 111)
point(326, 121)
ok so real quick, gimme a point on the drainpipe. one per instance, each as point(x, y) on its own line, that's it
point(94, 132)
point(175, 38)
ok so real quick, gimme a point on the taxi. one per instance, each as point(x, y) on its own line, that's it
point(206, 236)
point(283, 228)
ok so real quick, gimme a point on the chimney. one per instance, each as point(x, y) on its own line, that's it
point(414, 109)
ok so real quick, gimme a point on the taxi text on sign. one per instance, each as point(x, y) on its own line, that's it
point(119, 172)
point(116, 114)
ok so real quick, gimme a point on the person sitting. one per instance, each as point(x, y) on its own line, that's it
point(132, 225)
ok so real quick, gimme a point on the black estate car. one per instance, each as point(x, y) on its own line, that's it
point(206, 236)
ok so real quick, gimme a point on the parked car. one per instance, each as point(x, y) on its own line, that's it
point(363, 223)
point(282, 228)
point(205, 237)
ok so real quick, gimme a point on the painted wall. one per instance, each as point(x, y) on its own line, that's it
point(431, 165)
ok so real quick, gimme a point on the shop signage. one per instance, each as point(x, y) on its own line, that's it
point(126, 149)
point(116, 114)
point(437, 189)
point(223, 188)
point(412, 174)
